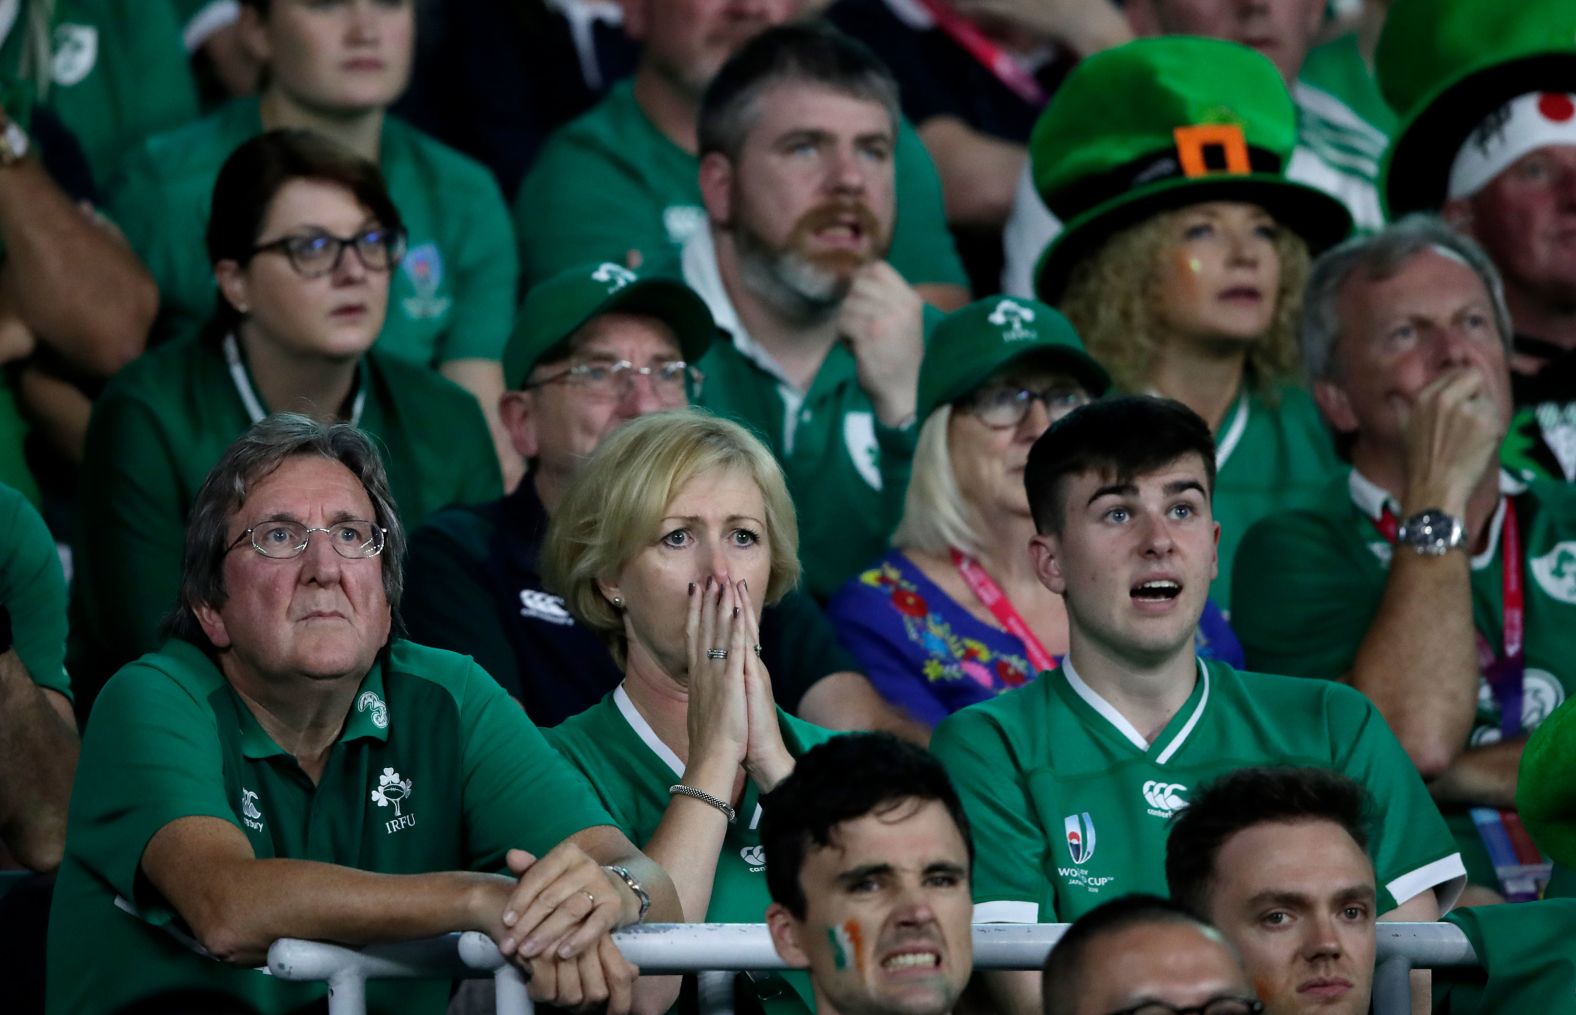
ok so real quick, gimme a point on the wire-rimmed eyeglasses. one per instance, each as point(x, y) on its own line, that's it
point(354, 539)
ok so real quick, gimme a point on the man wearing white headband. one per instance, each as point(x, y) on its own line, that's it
point(1488, 95)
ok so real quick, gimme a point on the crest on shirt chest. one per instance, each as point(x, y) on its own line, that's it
point(76, 50)
point(394, 791)
point(1555, 572)
point(423, 269)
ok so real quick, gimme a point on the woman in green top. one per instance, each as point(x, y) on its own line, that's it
point(1186, 250)
point(669, 540)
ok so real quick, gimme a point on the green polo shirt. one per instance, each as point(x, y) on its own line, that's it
point(1076, 804)
point(452, 297)
point(116, 72)
point(610, 182)
point(1332, 562)
point(1525, 962)
point(631, 769)
point(33, 589)
point(1269, 458)
point(435, 770)
point(165, 421)
point(847, 473)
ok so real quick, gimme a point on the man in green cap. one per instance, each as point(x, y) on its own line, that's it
point(594, 347)
point(620, 182)
point(1073, 778)
point(1426, 578)
point(1488, 96)
point(823, 336)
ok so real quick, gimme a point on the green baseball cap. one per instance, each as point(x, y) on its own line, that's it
point(1545, 791)
point(1161, 123)
point(558, 307)
point(1445, 65)
point(973, 343)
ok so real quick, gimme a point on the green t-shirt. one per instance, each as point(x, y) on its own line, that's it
point(452, 297)
point(847, 473)
point(610, 182)
point(436, 769)
point(1332, 562)
point(631, 769)
point(113, 71)
point(163, 423)
point(1268, 459)
point(33, 589)
point(1076, 805)
point(1526, 963)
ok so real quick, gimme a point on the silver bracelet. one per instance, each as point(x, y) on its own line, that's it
point(679, 789)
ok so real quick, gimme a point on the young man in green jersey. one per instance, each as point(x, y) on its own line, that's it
point(1139, 953)
point(1073, 777)
point(869, 877)
point(1276, 857)
point(1427, 578)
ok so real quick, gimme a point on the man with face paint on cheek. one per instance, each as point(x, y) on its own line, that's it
point(868, 865)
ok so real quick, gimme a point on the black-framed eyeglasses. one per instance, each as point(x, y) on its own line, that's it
point(673, 382)
point(354, 539)
point(1214, 1006)
point(1000, 406)
point(315, 254)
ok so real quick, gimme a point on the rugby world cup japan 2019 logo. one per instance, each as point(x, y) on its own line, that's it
point(1080, 837)
point(423, 269)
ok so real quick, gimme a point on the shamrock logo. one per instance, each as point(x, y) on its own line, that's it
point(391, 789)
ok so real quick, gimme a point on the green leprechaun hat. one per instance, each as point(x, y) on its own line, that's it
point(1445, 66)
point(1161, 123)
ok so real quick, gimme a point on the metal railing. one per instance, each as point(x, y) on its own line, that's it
point(729, 947)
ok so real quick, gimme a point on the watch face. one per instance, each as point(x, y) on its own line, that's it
point(1431, 532)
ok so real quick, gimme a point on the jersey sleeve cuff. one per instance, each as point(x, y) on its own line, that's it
point(1447, 876)
point(1006, 912)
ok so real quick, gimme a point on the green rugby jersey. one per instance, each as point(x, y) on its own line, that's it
point(1343, 128)
point(631, 770)
point(848, 473)
point(610, 183)
point(1525, 962)
point(1269, 457)
point(33, 589)
point(436, 770)
point(1331, 562)
point(1076, 804)
point(452, 297)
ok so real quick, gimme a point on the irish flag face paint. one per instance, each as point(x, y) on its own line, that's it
point(848, 945)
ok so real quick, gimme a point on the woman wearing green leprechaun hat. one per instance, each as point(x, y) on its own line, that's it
point(1185, 253)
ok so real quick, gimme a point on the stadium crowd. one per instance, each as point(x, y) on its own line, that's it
point(870, 467)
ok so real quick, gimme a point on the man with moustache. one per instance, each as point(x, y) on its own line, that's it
point(1428, 579)
point(1073, 777)
point(1276, 858)
point(823, 336)
point(869, 863)
point(1139, 951)
point(619, 183)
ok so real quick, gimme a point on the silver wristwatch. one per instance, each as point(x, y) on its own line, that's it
point(1432, 533)
point(644, 897)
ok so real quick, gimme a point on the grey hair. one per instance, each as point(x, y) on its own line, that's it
point(1378, 257)
point(810, 52)
point(251, 459)
point(936, 515)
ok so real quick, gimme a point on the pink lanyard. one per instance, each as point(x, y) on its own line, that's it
point(996, 60)
point(995, 600)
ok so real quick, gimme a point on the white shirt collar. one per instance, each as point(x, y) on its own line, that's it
point(1109, 711)
point(698, 260)
point(1372, 500)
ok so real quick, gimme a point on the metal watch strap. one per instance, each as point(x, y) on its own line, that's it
point(1432, 533)
point(644, 897)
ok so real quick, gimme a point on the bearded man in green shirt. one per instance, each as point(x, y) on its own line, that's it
point(1073, 777)
point(1428, 579)
point(286, 765)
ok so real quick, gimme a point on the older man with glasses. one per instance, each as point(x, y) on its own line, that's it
point(286, 765)
point(594, 347)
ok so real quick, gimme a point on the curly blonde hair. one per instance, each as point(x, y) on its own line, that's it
point(1112, 300)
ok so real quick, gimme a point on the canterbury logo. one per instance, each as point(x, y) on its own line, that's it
point(1164, 798)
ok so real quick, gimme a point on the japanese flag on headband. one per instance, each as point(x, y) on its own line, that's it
point(1525, 123)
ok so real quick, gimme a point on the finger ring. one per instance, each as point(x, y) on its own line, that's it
point(589, 897)
point(716, 653)
point(757, 651)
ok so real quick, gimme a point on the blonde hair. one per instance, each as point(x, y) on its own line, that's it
point(612, 509)
point(936, 515)
point(1112, 299)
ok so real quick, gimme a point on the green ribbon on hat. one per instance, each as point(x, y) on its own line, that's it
point(1445, 65)
point(1163, 123)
